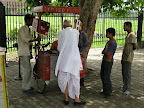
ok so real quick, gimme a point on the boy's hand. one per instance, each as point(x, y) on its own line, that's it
point(103, 52)
point(107, 52)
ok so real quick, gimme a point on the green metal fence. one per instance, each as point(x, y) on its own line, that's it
point(15, 19)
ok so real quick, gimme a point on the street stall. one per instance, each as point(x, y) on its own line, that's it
point(46, 59)
point(3, 80)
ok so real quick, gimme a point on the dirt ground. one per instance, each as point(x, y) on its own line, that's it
point(90, 92)
point(136, 99)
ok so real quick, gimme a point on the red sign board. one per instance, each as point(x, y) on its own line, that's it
point(44, 26)
point(53, 9)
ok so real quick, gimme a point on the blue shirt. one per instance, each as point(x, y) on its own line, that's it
point(110, 46)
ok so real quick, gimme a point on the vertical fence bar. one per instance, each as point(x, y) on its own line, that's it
point(13, 29)
point(103, 28)
point(62, 20)
point(7, 34)
point(10, 24)
point(16, 17)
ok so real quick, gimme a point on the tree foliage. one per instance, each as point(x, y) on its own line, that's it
point(68, 3)
point(122, 8)
point(34, 3)
point(117, 8)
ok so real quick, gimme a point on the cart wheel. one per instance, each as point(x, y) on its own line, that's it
point(41, 85)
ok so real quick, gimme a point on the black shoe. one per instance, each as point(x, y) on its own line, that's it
point(32, 88)
point(101, 93)
point(80, 103)
point(66, 102)
point(107, 96)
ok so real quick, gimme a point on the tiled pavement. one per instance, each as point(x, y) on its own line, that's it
point(53, 98)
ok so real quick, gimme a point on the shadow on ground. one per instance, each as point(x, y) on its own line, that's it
point(53, 98)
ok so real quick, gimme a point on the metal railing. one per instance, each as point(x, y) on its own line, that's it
point(15, 19)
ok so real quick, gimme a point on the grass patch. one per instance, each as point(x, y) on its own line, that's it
point(13, 22)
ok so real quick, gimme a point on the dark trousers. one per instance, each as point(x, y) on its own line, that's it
point(81, 81)
point(126, 73)
point(105, 77)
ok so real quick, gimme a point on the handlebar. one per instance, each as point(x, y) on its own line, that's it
point(42, 45)
point(45, 45)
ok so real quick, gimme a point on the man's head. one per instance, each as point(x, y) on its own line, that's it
point(127, 26)
point(110, 32)
point(67, 23)
point(29, 19)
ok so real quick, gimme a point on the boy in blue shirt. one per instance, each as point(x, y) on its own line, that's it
point(107, 62)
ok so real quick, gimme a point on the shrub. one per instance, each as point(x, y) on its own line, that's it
point(14, 34)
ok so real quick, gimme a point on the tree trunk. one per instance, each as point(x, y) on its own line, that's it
point(89, 12)
point(139, 32)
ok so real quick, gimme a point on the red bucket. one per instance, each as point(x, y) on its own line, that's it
point(82, 72)
point(44, 65)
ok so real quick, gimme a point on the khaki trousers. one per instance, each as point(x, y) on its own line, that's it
point(27, 70)
point(126, 73)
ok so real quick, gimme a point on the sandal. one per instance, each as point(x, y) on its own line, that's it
point(29, 90)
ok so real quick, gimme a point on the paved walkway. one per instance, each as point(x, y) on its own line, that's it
point(53, 98)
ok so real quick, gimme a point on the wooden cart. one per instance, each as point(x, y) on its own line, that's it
point(46, 62)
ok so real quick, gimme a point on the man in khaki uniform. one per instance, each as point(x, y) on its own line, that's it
point(24, 41)
point(127, 57)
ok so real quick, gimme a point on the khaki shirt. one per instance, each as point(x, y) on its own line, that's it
point(128, 53)
point(24, 35)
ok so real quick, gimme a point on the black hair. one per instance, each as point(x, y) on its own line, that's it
point(128, 24)
point(28, 17)
point(111, 30)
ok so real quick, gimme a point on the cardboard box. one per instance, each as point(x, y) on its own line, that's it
point(78, 25)
point(46, 65)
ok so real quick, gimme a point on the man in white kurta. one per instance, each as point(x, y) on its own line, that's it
point(69, 63)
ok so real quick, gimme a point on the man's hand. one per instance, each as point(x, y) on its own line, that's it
point(134, 46)
point(37, 39)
